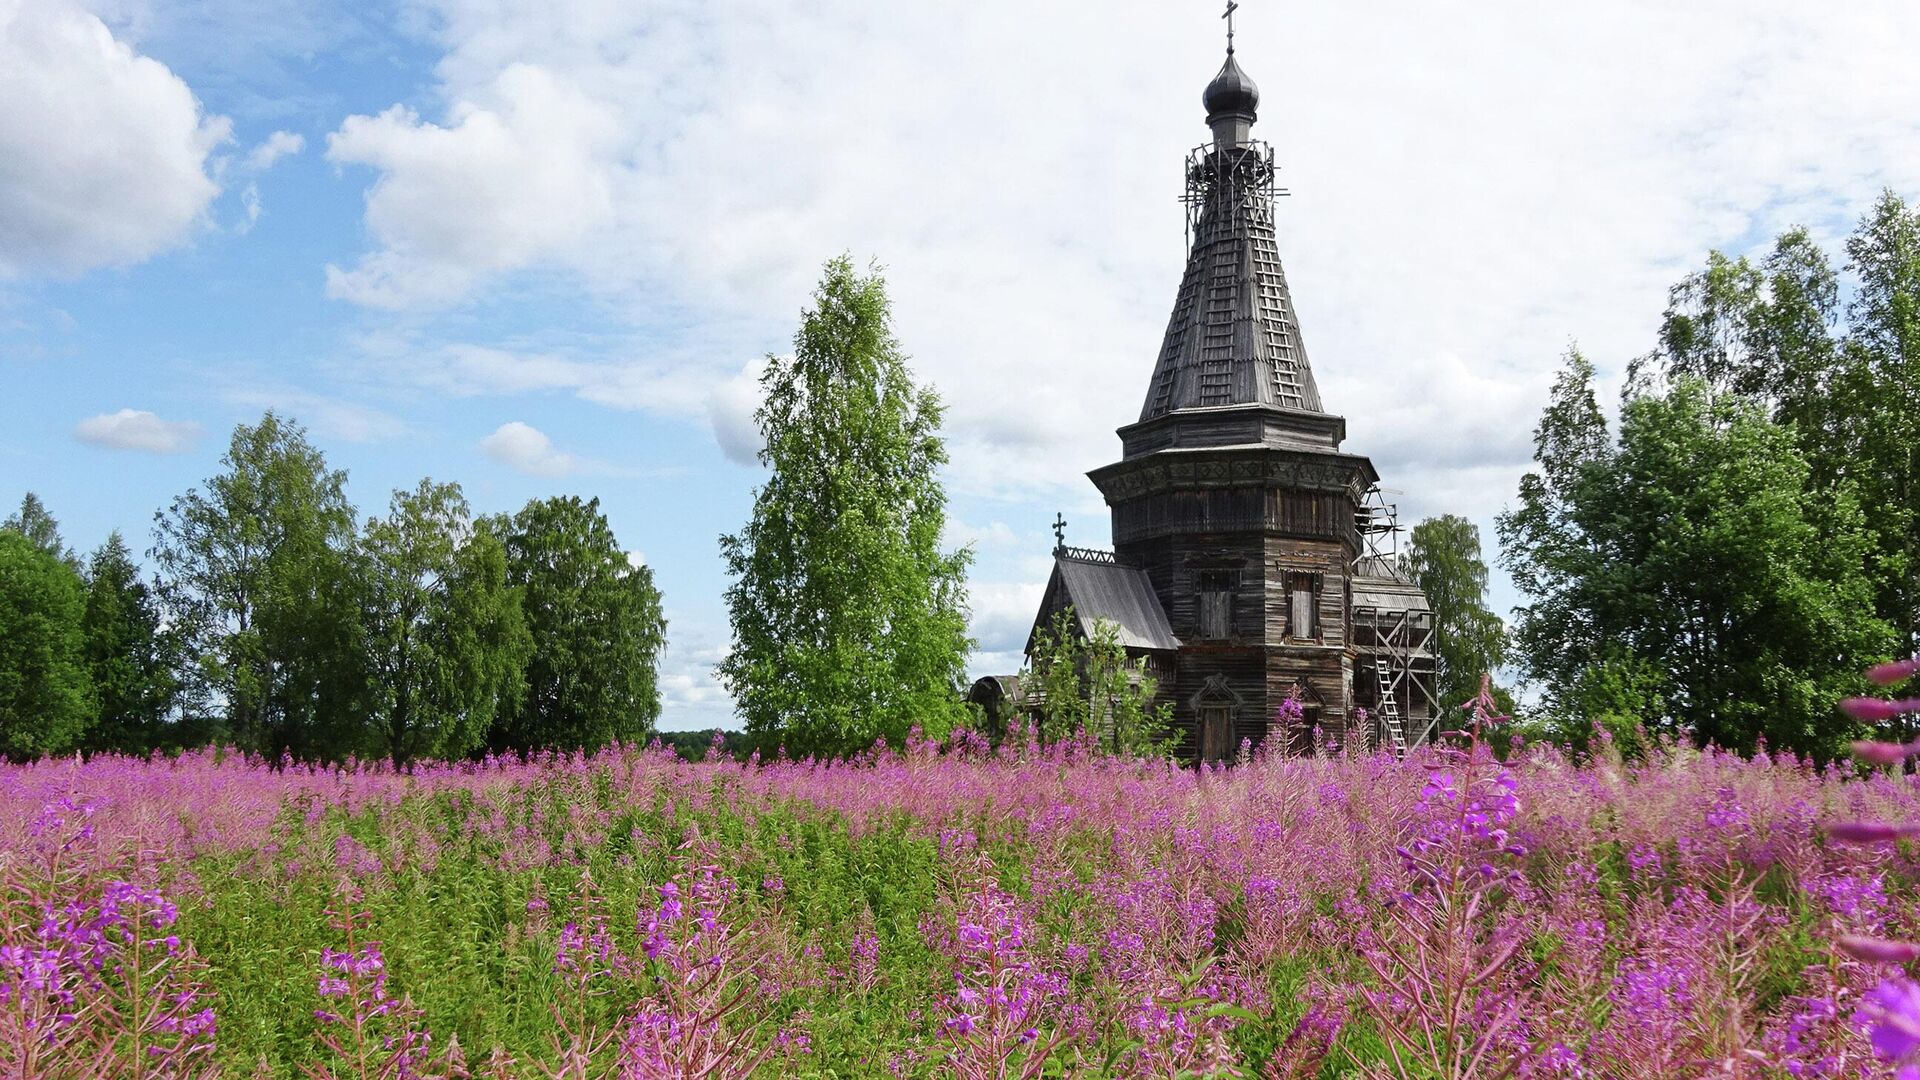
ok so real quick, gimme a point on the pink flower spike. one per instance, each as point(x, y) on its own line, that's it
point(1867, 832)
point(1883, 753)
point(1876, 951)
point(1898, 671)
point(1873, 710)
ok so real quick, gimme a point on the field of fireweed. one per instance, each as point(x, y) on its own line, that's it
point(954, 911)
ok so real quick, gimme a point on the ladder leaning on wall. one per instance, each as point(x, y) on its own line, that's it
point(1388, 709)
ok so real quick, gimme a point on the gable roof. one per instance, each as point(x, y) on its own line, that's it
point(1098, 588)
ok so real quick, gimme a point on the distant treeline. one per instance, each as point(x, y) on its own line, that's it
point(280, 622)
point(699, 745)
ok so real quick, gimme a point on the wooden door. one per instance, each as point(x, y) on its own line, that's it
point(1216, 733)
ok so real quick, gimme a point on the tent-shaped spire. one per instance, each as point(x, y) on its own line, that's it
point(1233, 338)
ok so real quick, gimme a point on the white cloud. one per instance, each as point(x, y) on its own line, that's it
point(994, 534)
point(250, 205)
point(527, 449)
point(331, 417)
point(103, 152)
point(517, 175)
point(730, 413)
point(137, 429)
point(691, 695)
point(636, 559)
point(1473, 186)
point(1003, 613)
point(258, 160)
point(469, 370)
point(276, 146)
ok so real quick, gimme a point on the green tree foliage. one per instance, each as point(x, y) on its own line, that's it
point(596, 626)
point(1761, 330)
point(1695, 547)
point(1875, 438)
point(446, 642)
point(1443, 558)
point(1766, 331)
point(45, 698)
point(34, 522)
point(258, 572)
point(132, 658)
point(849, 622)
point(1078, 683)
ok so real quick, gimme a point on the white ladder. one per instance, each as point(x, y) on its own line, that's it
point(1389, 710)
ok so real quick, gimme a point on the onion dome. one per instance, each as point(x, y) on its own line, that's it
point(1231, 93)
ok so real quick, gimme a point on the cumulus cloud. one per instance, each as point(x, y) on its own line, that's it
point(137, 429)
point(691, 695)
point(1003, 613)
point(527, 449)
point(517, 174)
point(730, 409)
point(278, 145)
point(103, 152)
point(1451, 221)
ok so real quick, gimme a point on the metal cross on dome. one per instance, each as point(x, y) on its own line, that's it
point(1232, 6)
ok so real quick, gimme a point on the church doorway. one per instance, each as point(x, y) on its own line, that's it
point(1216, 732)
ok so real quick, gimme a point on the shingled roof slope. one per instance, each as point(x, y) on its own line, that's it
point(1099, 589)
point(1233, 338)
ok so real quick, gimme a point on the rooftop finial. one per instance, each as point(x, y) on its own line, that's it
point(1232, 100)
point(1059, 533)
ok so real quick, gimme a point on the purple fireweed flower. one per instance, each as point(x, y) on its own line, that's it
point(1868, 832)
point(1856, 896)
point(1726, 811)
point(1884, 753)
point(1878, 710)
point(1289, 714)
point(1876, 951)
point(1897, 671)
point(1891, 1014)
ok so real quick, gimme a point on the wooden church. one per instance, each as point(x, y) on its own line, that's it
point(1252, 557)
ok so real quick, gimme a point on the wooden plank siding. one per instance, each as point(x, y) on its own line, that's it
point(1261, 658)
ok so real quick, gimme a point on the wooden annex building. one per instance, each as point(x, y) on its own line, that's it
point(1252, 556)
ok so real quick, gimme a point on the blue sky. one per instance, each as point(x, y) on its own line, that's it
point(539, 247)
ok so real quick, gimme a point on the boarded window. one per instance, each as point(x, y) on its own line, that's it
point(1303, 606)
point(1215, 596)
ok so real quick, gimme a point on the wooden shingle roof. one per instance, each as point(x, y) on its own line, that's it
point(1233, 338)
point(1097, 588)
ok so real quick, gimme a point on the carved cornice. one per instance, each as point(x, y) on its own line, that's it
point(1261, 467)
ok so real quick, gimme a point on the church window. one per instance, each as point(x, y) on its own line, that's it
point(1216, 603)
point(1303, 607)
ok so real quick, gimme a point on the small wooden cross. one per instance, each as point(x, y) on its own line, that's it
point(1059, 532)
point(1232, 6)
